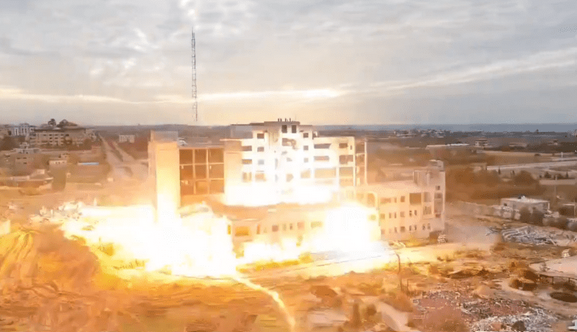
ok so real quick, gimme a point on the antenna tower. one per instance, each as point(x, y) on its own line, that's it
point(194, 101)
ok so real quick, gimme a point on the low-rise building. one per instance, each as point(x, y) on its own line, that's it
point(408, 208)
point(126, 138)
point(518, 203)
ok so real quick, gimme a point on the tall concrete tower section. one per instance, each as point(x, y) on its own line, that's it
point(164, 175)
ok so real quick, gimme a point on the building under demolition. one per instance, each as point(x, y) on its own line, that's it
point(277, 179)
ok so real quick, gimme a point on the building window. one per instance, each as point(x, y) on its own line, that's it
point(438, 196)
point(284, 227)
point(306, 160)
point(428, 226)
point(415, 199)
point(395, 215)
point(424, 227)
point(410, 228)
point(294, 129)
point(301, 225)
point(427, 210)
point(325, 173)
point(390, 215)
point(402, 199)
point(275, 228)
point(402, 229)
point(247, 161)
point(322, 158)
point(415, 213)
point(396, 230)
point(259, 177)
point(306, 174)
point(284, 129)
point(260, 149)
point(346, 171)
point(241, 231)
point(410, 213)
point(260, 135)
point(382, 216)
point(402, 214)
point(306, 147)
point(385, 201)
point(247, 148)
point(343, 145)
point(438, 188)
point(291, 227)
point(261, 162)
point(289, 177)
point(257, 229)
point(344, 159)
point(305, 135)
point(323, 146)
point(316, 224)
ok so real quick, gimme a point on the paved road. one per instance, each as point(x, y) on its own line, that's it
point(365, 263)
point(126, 169)
point(544, 165)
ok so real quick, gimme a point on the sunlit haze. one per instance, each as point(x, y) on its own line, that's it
point(338, 62)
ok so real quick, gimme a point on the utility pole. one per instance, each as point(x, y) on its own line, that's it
point(194, 99)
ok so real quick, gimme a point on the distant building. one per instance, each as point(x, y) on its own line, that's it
point(60, 136)
point(126, 138)
point(4, 131)
point(518, 203)
point(23, 129)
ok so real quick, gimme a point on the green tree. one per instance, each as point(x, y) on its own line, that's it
point(524, 178)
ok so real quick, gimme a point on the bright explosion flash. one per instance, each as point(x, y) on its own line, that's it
point(200, 244)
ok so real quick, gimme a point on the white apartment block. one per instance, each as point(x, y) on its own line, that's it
point(126, 138)
point(52, 136)
point(409, 209)
point(23, 129)
point(286, 162)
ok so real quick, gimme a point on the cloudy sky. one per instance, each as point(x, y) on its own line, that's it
point(333, 62)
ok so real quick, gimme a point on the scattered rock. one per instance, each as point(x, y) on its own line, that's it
point(497, 326)
point(519, 326)
point(323, 291)
point(484, 292)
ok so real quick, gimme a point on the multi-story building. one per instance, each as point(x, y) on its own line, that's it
point(201, 170)
point(56, 136)
point(286, 162)
point(409, 208)
point(23, 129)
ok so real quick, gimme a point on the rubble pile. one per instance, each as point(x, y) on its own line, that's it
point(529, 235)
point(534, 320)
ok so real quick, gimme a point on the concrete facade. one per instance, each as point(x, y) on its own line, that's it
point(201, 170)
point(284, 162)
point(408, 209)
point(164, 175)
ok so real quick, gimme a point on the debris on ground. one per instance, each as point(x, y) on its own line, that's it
point(534, 320)
point(528, 234)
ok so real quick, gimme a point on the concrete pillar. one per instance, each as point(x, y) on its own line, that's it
point(164, 172)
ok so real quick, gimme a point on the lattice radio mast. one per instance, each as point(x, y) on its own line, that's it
point(194, 99)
